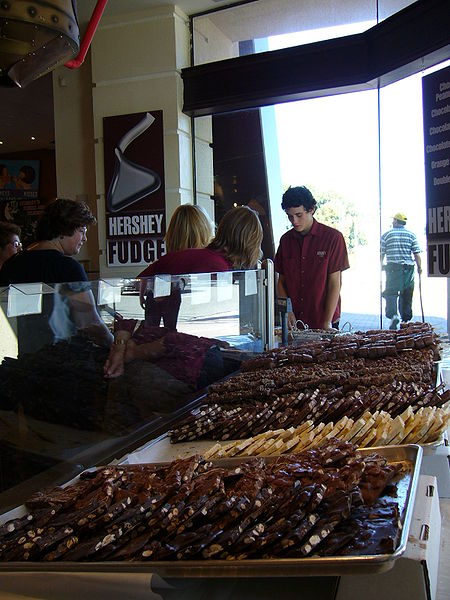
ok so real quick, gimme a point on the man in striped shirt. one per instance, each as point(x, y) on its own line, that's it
point(402, 250)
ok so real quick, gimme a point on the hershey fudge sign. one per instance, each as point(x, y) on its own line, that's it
point(436, 119)
point(134, 184)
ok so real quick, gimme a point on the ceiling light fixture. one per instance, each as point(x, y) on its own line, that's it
point(36, 37)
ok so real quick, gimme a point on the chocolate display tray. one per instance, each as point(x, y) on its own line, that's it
point(409, 456)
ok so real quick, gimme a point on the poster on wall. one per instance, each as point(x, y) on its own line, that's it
point(436, 120)
point(134, 184)
point(19, 195)
point(19, 179)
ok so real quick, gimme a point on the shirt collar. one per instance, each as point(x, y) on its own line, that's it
point(314, 228)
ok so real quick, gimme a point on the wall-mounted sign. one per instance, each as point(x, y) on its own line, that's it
point(19, 195)
point(436, 119)
point(134, 183)
point(19, 179)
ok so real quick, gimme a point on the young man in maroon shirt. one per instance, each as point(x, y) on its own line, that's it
point(310, 259)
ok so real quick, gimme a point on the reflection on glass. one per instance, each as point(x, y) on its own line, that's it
point(59, 413)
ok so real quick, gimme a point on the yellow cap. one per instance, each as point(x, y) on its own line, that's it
point(400, 217)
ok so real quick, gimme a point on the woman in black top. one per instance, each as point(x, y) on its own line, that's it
point(60, 234)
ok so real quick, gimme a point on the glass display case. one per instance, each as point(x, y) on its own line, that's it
point(60, 414)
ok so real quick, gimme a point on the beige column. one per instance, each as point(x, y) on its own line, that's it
point(136, 62)
point(74, 146)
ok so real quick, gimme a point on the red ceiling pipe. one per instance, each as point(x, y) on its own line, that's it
point(89, 34)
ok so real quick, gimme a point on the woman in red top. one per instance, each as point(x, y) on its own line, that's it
point(189, 227)
point(237, 245)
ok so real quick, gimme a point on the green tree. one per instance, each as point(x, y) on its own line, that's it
point(335, 210)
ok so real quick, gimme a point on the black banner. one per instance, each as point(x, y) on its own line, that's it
point(134, 180)
point(436, 122)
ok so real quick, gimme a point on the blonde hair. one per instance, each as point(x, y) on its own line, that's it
point(239, 236)
point(189, 227)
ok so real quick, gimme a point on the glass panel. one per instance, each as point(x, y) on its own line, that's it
point(328, 144)
point(60, 414)
point(237, 30)
point(331, 145)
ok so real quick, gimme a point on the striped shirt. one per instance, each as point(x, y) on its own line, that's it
point(399, 245)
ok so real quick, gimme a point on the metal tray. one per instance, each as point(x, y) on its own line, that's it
point(409, 456)
point(161, 449)
point(432, 447)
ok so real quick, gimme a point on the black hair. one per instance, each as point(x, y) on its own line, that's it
point(29, 173)
point(298, 196)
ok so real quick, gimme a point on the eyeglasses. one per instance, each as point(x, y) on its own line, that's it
point(16, 244)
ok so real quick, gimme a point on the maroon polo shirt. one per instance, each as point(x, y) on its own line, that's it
point(306, 261)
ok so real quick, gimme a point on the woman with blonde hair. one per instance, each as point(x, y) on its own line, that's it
point(189, 227)
point(236, 246)
point(238, 238)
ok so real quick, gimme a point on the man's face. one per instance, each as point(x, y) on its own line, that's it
point(300, 218)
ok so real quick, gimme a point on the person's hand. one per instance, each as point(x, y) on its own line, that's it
point(419, 270)
point(114, 365)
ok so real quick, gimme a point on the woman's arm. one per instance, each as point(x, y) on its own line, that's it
point(84, 313)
